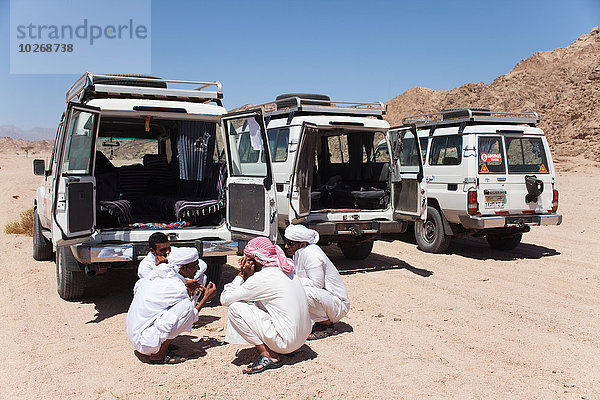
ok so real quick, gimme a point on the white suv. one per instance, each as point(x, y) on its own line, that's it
point(135, 155)
point(488, 174)
point(329, 177)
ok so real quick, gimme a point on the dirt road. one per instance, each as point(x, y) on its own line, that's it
point(472, 323)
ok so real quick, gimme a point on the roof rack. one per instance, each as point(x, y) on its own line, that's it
point(457, 116)
point(91, 85)
point(291, 106)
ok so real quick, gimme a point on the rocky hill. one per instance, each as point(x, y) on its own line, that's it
point(41, 148)
point(562, 86)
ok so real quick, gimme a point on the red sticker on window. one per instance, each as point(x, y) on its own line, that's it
point(491, 157)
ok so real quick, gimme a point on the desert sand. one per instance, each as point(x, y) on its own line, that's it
point(471, 323)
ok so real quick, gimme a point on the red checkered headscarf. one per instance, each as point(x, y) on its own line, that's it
point(268, 254)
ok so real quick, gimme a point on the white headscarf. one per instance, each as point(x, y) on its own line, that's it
point(300, 233)
point(182, 255)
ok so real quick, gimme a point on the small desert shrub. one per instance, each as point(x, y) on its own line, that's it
point(23, 225)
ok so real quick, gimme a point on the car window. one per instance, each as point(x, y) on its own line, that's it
point(423, 143)
point(446, 150)
point(338, 149)
point(526, 155)
point(124, 151)
point(381, 153)
point(491, 155)
point(80, 140)
point(278, 143)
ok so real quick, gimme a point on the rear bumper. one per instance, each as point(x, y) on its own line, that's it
point(509, 221)
point(108, 253)
point(357, 230)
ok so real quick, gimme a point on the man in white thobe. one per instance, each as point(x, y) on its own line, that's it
point(163, 307)
point(160, 248)
point(325, 290)
point(267, 305)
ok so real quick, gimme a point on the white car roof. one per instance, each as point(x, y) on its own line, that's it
point(129, 104)
point(488, 129)
point(328, 119)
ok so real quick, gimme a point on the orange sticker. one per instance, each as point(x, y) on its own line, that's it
point(484, 168)
point(543, 169)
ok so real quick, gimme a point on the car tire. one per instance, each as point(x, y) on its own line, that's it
point(504, 242)
point(42, 247)
point(358, 251)
point(215, 269)
point(69, 284)
point(430, 234)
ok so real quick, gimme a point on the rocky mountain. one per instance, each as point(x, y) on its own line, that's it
point(562, 86)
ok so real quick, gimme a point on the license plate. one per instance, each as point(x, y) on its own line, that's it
point(495, 201)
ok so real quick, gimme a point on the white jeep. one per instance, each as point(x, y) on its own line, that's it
point(329, 177)
point(488, 174)
point(135, 155)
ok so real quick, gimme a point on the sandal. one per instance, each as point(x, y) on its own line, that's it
point(169, 359)
point(321, 332)
point(261, 364)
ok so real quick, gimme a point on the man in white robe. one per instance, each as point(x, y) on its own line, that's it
point(160, 248)
point(163, 307)
point(267, 305)
point(325, 290)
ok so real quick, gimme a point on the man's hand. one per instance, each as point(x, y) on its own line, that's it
point(209, 291)
point(191, 285)
point(247, 268)
point(160, 259)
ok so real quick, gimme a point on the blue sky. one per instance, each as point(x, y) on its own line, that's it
point(351, 50)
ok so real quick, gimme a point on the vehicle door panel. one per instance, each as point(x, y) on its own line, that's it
point(302, 176)
point(251, 206)
point(74, 201)
point(409, 190)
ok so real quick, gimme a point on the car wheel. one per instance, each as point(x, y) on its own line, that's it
point(504, 242)
point(70, 284)
point(358, 251)
point(42, 247)
point(430, 234)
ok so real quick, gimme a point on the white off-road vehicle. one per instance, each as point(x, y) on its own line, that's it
point(488, 174)
point(135, 155)
point(329, 177)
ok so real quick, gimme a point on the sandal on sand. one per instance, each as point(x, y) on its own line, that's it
point(261, 364)
point(169, 359)
point(322, 331)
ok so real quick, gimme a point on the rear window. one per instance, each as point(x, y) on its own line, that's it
point(526, 155)
point(278, 143)
point(491, 155)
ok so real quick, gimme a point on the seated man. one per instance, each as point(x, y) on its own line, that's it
point(326, 293)
point(163, 307)
point(267, 305)
point(159, 251)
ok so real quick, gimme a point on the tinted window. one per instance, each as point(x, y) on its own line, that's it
point(491, 155)
point(423, 142)
point(446, 150)
point(526, 155)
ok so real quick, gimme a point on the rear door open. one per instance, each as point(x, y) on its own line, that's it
point(251, 207)
point(74, 202)
point(409, 191)
point(302, 175)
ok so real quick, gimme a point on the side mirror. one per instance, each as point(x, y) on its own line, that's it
point(39, 167)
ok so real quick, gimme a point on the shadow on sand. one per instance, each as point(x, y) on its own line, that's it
point(478, 248)
point(375, 262)
point(188, 347)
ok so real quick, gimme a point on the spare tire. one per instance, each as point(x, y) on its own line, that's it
point(450, 113)
point(109, 80)
point(323, 100)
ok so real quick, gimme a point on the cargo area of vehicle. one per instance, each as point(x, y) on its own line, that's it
point(157, 172)
point(348, 173)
